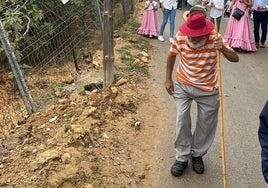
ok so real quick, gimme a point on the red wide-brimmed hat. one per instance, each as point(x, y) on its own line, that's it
point(196, 25)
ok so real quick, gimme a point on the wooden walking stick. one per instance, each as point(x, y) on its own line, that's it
point(221, 113)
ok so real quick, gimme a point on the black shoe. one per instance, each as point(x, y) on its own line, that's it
point(198, 165)
point(178, 168)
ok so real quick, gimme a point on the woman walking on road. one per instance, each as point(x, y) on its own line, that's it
point(149, 23)
point(238, 33)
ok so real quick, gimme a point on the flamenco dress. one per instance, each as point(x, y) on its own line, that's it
point(238, 33)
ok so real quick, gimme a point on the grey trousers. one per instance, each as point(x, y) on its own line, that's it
point(194, 144)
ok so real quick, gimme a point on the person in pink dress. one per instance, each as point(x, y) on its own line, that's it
point(149, 26)
point(238, 33)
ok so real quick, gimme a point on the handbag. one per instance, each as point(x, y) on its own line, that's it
point(238, 13)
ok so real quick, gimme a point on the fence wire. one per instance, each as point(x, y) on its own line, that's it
point(70, 27)
point(56, 38)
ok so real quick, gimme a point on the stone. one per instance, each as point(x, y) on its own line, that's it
point(43, 158)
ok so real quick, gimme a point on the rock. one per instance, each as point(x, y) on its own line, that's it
point(28, 149)
point(96, 64)
point(57, 178)
point(34, 151)
point(77, 129)
point(139, 63)
point(121, 82)
point(105, 136)
point(53, 119)
point(63, 101)
point(145, 59)
point(11, 142)
point(137, 125)
point(88, 186)
point(43, 158)
point(68, 79)
point(114, 90)
point(65, 158)
point(145, 54)
point(21, 121)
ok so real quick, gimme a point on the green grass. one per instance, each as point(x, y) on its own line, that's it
point(138, 42)
point(118, 76)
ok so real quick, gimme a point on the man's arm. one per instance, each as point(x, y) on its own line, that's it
point(227, 51)
point(230, 54)
point(169, 82)
point(263, 139)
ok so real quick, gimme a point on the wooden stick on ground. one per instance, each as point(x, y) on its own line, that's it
point(221, 113)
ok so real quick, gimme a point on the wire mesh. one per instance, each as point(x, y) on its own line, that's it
point(61, 29)
point(44, 34)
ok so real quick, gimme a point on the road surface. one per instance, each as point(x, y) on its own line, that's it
point(245, 91)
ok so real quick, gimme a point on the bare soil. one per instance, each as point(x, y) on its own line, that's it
point(82, 139)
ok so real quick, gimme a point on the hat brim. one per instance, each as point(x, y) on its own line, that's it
point(198, 9)
point(186, 14)
point(197, 32)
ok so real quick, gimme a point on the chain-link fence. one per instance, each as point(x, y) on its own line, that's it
point(44, 34)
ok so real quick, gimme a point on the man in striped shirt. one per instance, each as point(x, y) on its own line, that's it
point(197, 43)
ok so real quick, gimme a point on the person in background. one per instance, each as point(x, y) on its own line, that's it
point(195, 9)
point(169, 8)
point(260, 19)
point(180, 3)
point(191, 3)
point(263, 139)
point(238, 33)
point(196, 43)
point(216, 11)
point(149, 22)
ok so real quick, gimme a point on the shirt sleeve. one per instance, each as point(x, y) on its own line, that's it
point(263, 139)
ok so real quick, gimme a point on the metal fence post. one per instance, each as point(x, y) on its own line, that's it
point(97, 7)
point(124, 10)
point(27, 99)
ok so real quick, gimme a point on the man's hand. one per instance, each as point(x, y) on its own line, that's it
point(169, 86)
point(218, 43)
point(261, 8)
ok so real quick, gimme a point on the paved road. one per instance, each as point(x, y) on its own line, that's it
point(245, 91)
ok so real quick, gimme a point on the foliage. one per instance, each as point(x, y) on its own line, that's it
point(29, 24)
point(18, 17)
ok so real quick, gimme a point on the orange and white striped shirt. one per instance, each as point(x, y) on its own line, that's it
point(197, 67)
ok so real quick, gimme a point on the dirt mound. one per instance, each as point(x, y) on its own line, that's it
point(85, 138)
point(81, 140)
